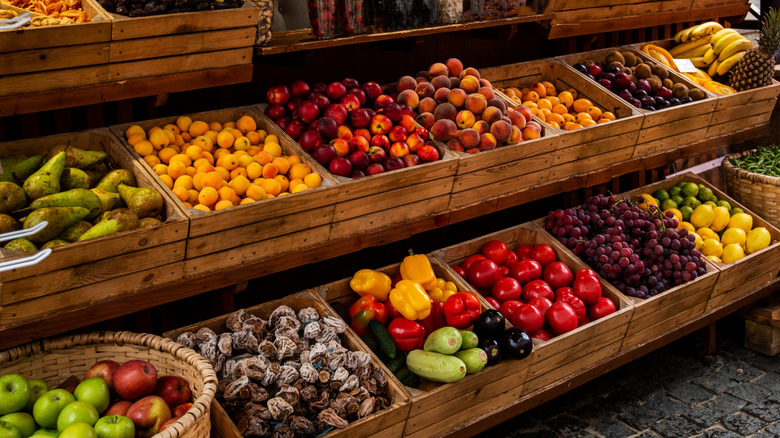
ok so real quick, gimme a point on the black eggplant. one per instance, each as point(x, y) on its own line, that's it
point(516, 343)
point(489, 324)
point(492, 348)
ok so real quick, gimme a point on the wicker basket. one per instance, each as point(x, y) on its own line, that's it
point(757, 192)
point(54, 360)
point(265, 21)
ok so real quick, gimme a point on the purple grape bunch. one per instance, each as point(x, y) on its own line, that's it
point(639, 251)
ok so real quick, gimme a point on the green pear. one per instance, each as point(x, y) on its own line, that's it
point(7, 165)
point(111, 181)
point(21, 244)
point(59, 219)
point(46, 180)
point(72, 198)
point(54, 243)
point(149, 222)
point(73, 232)
point(8, 224)
point(108, 200)
point(143, 201)
point(18, 171)
point(79, 158)
point(120, 219)
point(12, 197)
point(74, 178)
point(96, 173)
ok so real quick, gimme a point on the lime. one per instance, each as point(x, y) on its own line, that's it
point(712, 247)
point(689, 189)
point(734, 211)
point(731, 253)
point(661, 195)
point(667, 204)
point(720, 219)
point(701, 186)
point(724, 203)
point(705, 194)
point(714, 199)
point(757, 239)
point(674, 191)
point(677, 199)
point(691, 201)
point(702, 216)
point(686, 211)
point(741, 220)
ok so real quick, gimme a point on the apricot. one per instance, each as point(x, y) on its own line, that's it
point(539, 89)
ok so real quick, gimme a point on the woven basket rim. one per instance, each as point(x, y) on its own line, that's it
point(746, 174)
point(200, 406)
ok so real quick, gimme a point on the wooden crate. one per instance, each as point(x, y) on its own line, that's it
point(562, 355)
point(439, 406)
point(388, 423)
point(582, 150)
point(83, 273)
point(745, 274)
point(665, 129)
point(762, 325)
point(245, 233)
point(53, 57)
point(383, 200)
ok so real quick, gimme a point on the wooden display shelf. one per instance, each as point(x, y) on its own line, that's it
point(302, 39)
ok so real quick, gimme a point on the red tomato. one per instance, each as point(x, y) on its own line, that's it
point(542, 335)
point(563, 290)
point(503, 270)
point(460, 271)
point(483, 273)
point(561, 318)
point(527, 318)
point(495, 250)
point(523, 251)
point(603, 307)
point(575, 303)
point(469, 260)
point(506, 288)
point(585, 271)
point(526, 270)
point(493, 302)
point(583, 321)
point(508, 307)
point(511, 259)
point(541, 303)
point(537, 288)
point(587, 288)
point(543, 254)
point(557, 274)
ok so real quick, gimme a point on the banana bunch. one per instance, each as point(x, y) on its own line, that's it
point(710, 47)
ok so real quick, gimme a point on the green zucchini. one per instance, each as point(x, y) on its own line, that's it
point(436, 366)
point(470, 339)
point(474, 358)
point(445, 340)
point(386, 343)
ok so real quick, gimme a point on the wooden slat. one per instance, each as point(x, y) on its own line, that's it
point(177, 64)
point(174, 45)
point(53, 80)
point(389, 217)
point(38, 60)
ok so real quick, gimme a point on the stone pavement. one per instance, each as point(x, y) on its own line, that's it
point(673, 392)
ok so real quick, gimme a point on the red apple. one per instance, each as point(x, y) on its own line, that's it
point(415, 142)
point(324, 153)
point(341, 146)
point(310, 140)
point(408, 123)
point(278, 94)
point(275, 111)
point(327, 127)
point(148, 414)
point(293, 104)
point(336, 90)
point(380, 140)
point(350, 83)
point(428, 153)
point(411, 160)
point(175, 390)
point(320, 99)
point(299, 88)
point(359, 160)
point(104, 369)
point(361, 117)
point(118, 408)
point(340, 166)
point(180, 410)
point(408, 111)
point(394, 163)
point(380, 124)
point(168, 423)
point(359, 143)
point(336, 112)
point(376, 154)
point(375, 168)
point(295, 128)
point(397, 133)
point(135, 379)
point(308, 111)
point(393, 111)
point(343, 132)
point(357, 174)
point(382, 101)
point(372, 90)
point(350, 102)
point(361, 95)
point(283, 122)
point(399, 149)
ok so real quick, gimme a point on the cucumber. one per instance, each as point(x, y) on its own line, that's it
point(470, 339)
point(386, 343)
point(408, 378)
point(474, 358)
point(445, 340)
point(396, 363)
point(436, 366)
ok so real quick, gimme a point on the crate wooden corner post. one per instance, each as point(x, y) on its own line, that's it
point(246, 233)
point(388, 423)
point(762, 326)
point(81, 273)
point(749, 108)
point(563, 355)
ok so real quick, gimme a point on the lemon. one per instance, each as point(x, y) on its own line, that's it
point(689, 189)
point(741, 220)
point(699, 241)
point(702, 216)
point(731, 253)
point(733, 235)
point(712, 247)
point(757, 239)
point(686, 211)
point(676, 213)
point(720, 219)
point(715, 259)
point(687, 226)
point(648, 201)
point(707, 233)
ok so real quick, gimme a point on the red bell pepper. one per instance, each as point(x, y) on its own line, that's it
point(392, 312)
point(462, 309)
point(436, 319)
point(365, 309)
point(407, 335)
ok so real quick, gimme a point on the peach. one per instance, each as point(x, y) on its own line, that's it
point(457, 97)
point(455, 145)
point(440, 82)
point(465, 119)
point(487, 92)
point(476, 103)
point(499, 103)
point(535, 125)
point(485, 83)
point(425, 89)
point(438, 69)
point(406, 83)
point(469, 84)
point(409, 97)
point(530, 133)
point(469, 138)
point(501, 130)
point(454, 66)
point(427, 105)
point(441, 94)
point(526, 112)
point(454, 82)
point(426, 120)
point(421, 78)
point(491, 115)
point(516, 136)
point(517, 118)
point(481, 127)
point(444, 129)
point(469, 71)
point(487, 141)
point(445, 111)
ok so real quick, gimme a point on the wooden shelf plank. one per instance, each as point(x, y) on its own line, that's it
point(303, 39)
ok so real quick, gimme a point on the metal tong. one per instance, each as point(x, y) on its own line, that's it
point(16, 22)
point(24, 261)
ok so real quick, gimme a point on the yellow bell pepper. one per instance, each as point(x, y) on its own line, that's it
point(443, 290)
point(417, 267)
point(410, 299)
point(371, 282)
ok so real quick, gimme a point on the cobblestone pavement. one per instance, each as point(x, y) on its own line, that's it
point(673, 392)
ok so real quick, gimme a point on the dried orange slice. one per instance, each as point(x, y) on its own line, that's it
point(717, 87)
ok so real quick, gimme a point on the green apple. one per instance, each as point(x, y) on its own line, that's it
point(14, 393)
point(8, 430)
point(78, 430)
point(115, 426)
point(94, 390)
point(48, 407)
point(77, 412)
point(38, 387)
point(47, 432)
point(23, 421)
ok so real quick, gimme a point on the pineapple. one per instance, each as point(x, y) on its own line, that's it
point(757, 67)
